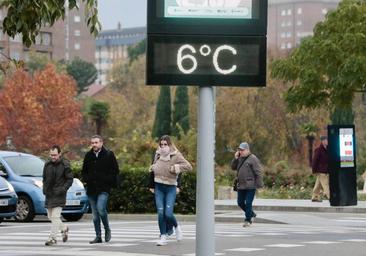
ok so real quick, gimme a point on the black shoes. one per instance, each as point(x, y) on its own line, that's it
point(108, 235)
point(96, 240)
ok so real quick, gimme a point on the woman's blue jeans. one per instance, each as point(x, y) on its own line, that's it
point(245, 202)
point(164, 200)
point(98, 204)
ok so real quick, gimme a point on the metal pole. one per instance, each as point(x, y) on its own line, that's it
point(205, 226)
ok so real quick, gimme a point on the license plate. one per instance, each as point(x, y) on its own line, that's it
point(72, 202)
point(4, 202)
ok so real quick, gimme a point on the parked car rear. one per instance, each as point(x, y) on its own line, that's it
point(8, 199)
point(24, 172)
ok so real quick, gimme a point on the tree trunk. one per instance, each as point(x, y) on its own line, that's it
point(310, 146)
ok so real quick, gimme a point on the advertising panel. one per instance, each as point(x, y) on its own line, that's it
point(346, 147)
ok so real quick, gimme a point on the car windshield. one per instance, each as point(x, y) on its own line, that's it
point(25, 165)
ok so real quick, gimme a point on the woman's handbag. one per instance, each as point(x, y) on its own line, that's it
point(235, 184)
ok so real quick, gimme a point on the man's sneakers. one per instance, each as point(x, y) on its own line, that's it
point(178, 233)
point(162, 241)
point(65, 234)
point(96, 240)
point(247, 224)
point(108, 235)
point(50, 242)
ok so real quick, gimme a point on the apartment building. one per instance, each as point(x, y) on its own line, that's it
point(291, 20)
point(112, 45)
point(65, 40)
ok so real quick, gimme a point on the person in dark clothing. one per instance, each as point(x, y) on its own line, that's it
point(99, 172)
point(57, 179)
point(249, 173)
point(320, 169)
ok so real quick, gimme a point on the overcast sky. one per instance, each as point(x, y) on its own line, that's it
point(131, 13)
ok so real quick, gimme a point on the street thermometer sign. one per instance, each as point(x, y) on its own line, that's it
point(207, 42)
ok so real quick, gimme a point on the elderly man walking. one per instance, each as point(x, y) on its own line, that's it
point(320, 169)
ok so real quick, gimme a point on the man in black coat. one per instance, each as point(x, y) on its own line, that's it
point(100, 169)
point(57, 179)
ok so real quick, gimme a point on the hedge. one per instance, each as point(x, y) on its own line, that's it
point(134, 197)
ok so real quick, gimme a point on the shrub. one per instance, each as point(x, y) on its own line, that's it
point(134, 196)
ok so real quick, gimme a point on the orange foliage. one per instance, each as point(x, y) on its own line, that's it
point(39, 111)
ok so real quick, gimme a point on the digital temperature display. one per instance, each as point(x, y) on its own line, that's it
point(198, 60)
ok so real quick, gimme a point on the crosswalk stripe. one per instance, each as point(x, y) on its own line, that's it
point(284, 245)
point(245, 249)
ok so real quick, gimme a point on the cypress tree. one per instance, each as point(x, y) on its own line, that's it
point(162, 123)
point(181, 110)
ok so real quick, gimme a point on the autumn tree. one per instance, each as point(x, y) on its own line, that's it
point(329, 68)
point(40, 110)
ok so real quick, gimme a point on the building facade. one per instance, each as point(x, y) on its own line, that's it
point(112, 45)
point(291, 20)
point(65, 40)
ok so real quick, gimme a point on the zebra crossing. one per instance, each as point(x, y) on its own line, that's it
point(128, 238)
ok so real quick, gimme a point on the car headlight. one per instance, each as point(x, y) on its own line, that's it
point(38, 183)
point(10, 187)
point(78, 182)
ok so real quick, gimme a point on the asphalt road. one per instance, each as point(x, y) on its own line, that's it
point(304, 234)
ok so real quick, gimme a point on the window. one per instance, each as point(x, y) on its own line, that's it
point(299, 10)
point(289, 45)
point(283, 24)
point(289, 12)
point(46, 38)
point(77, 33)
point(283, 46)
point(38, 39)
point(283, 13)
point(283, 35)
point(76, 18)
point(77, 46)
point(299, 22)
point(17, 38)
point(289, 23)
point(15, 55)
point(289, 34)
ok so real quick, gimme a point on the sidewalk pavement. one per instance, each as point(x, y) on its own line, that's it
point(228, 211)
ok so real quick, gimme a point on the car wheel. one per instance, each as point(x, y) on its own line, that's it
point(73, 217)
point(25, 209)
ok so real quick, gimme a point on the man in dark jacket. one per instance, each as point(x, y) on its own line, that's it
point(100, 169)
point(320, 169)
point(57, 179)
point(249, 174)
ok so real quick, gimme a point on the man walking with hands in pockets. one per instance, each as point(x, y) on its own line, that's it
point(57, 179)
point(100, 169)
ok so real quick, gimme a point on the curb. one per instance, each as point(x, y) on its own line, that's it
point(329, 209)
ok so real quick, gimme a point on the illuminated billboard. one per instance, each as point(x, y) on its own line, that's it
point(346, 147)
